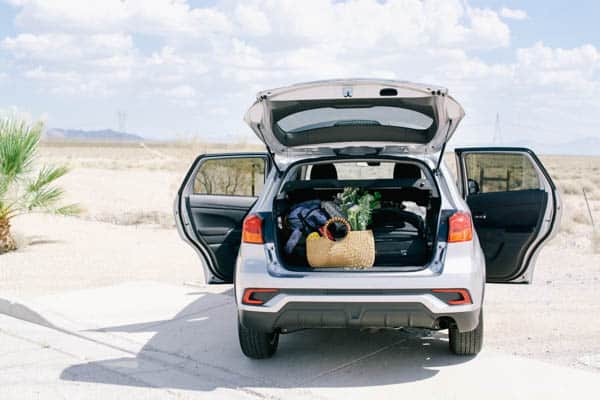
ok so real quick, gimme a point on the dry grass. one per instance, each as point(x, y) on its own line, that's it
point(580, 217)
point(129, 183)
point(173, 156)
point(567, 227)
point(161, 219)
point(596, 242)
point(569, 187)
point(576, 174)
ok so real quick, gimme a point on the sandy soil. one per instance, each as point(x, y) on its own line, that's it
point(65, 253)
point(126, 233)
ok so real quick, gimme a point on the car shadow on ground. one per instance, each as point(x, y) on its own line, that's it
point(198, 350)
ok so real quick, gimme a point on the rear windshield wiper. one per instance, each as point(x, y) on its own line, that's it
point(356, 122)
point(330, 124)
point(322, 124)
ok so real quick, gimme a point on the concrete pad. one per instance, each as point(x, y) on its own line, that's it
point(430, 375)
point(183, 340)
point(48, 372)
point(10, 344)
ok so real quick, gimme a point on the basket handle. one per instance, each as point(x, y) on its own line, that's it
point(337, 219)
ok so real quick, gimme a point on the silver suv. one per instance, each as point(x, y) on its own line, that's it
point(439, 235)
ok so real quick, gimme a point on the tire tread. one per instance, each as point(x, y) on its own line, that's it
point(257, 344)
point(467, 343)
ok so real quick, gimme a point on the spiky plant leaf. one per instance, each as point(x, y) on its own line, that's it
point(46, 176)
point(18, 146)
point(4, 185)
point(70, 209)
point(44, 198)
point(22, 190)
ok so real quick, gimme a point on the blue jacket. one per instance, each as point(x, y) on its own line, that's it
point(304, 218)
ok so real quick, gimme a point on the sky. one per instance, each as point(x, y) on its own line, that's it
point(178, 69)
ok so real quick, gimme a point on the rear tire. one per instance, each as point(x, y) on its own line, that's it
point(257, 344)
point(467, 343)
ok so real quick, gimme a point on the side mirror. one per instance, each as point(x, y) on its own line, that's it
point(473, 186)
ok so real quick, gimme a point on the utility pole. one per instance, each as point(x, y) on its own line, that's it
point(121, 120)
point(497, 132)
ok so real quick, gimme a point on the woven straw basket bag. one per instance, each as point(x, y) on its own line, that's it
point(356, 250)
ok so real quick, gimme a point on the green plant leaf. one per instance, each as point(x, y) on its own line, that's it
point(22, 190)
point(18, 146)
point(70, 209)
point(46, 176)
point(44, 198)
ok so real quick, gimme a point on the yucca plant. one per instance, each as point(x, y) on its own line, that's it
point(24, 189)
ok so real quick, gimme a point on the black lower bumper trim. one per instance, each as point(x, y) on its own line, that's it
point(295, 316)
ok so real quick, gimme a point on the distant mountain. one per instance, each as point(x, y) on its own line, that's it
point(102, 135)
point(586, 146)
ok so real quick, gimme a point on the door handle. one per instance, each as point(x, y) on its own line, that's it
point(481, 216)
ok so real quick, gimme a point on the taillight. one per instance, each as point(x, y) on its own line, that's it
point(257, 297)
point(454, 297)
point(460, 227)
point(252, 230)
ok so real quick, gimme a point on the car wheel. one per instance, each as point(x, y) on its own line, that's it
point(257, 344)
point(467, 343)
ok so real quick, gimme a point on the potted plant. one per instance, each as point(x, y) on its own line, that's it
point(356, 249)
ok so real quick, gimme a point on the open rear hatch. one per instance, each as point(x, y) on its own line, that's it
point(322, 118)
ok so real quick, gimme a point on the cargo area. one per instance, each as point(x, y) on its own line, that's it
point(404, 224)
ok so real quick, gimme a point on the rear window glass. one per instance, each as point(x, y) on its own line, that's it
point(327, 117)
point(375, 170)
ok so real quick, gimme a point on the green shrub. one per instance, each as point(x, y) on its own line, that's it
point(24, 189)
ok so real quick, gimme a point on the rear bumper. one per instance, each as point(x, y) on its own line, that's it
point(361, 299)
point(327, 314)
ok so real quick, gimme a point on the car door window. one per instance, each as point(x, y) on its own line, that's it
point(489, 173)
point(231, 177)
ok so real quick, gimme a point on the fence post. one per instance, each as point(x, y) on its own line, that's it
point(587, 203)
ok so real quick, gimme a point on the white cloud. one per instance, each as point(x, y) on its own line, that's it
point(181, 92)
point(212, 60)
point(408, 23)
point(488, 28)
point(60, 46)
point(70, 82)
point(576, 68)
point(402, 23)
point(513, 13)
point(252, 20)
point(40, 73)
point(161, 17)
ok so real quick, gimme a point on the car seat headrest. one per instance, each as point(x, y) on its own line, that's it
point(323, 171)
point(407, 171)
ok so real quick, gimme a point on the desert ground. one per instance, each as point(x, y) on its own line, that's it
point(126, 233)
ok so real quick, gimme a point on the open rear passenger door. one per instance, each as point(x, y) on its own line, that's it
point(216, 195)
point(515, 206)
